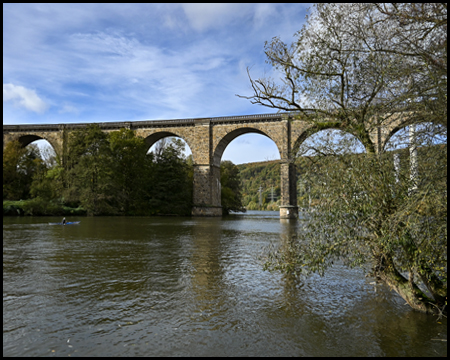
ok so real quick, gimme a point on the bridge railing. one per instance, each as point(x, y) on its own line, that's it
point(140, 124)
point(246, 117)
point(37, 127)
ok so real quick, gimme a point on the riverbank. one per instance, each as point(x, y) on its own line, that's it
point(39, 207)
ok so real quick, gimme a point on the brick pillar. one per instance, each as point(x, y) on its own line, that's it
point(206, 195)
point(63, 144)
point(288, 177)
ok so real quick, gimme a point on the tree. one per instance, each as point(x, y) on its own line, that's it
point(171, 192)
point(350, 68)
point(88, 170)
point(231, 197)
point(419, 33)
point(355, 67)
point(131, 168)
point(19, 166)
point(11, 155)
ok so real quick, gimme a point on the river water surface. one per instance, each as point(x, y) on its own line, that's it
point(154, 286)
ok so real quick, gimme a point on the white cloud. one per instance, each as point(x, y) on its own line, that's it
point(263, 12)
point(23, 97)
point(204, 16)
point(67, 108)
point(135, 62)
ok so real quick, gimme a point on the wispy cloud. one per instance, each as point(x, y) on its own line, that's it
point(23, 97)
point(67, 108)
point(128, 62)
point(202, 16)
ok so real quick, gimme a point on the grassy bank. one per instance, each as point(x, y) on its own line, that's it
point(38, 207)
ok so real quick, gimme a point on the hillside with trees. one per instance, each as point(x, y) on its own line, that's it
point(260, 175)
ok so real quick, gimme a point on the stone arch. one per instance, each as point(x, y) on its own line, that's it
point(312, 130)
point(26, 139)
point(151, 137)
point(154, 138)
point(400, 126)
point(230, 136)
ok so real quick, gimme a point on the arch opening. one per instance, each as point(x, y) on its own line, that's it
point(157, 142)
point(257, 157)
point(419, 155)
point(424, 133)
point(329, 141)
point(45, 150)
point(249, 145)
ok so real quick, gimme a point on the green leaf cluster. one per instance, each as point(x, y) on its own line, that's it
point(19, 166)
point(231, 197)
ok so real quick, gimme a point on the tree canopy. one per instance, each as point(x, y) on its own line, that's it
point(355, 67)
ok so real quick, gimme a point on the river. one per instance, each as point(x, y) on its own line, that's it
point(169, 286)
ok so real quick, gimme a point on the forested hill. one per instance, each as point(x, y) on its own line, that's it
point(265, 174)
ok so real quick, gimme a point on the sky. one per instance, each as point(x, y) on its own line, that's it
point(83, 63)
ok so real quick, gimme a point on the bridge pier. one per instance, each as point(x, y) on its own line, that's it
point(206, 196)
point(288, 177)
point(288, 212)
point(207, 211)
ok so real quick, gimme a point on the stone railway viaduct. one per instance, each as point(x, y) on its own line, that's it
point(207, 139)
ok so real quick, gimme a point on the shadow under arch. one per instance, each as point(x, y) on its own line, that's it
point(227, 139)
point(26, 140)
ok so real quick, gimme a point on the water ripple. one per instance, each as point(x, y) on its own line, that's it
point(189, 287)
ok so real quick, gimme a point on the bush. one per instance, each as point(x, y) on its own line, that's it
point(39, 207)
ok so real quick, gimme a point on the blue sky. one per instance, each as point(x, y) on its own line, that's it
point(65, 63)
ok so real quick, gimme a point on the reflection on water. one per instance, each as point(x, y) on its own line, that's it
point(190, 287)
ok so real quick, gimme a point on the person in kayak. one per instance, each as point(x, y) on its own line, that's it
point(64, 221)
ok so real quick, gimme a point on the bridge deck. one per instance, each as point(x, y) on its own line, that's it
point(146, 123)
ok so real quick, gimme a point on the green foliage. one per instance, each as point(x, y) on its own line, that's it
point(19, 166)
point(364, 211)
point(39, 207)
point(171, 190)
point(231, 197)
point(131, 168)
point(101, 174)
point(357, 67)
point(262, 174)
point(89, 173)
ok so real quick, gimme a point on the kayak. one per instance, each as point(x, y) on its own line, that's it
point(67, 223)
